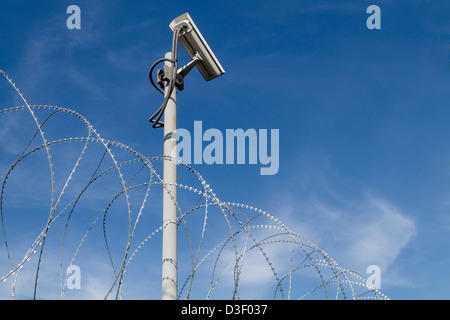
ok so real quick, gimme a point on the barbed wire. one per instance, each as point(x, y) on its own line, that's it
point(234, 249)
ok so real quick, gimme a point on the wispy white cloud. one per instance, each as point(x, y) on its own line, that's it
point(9, 127)
point(49, 48)
point(382, 235)
point(356, 232)
point(86, 84)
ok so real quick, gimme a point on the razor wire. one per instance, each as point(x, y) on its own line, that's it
point(229, 250)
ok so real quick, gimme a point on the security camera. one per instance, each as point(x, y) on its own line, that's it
point(196, 47)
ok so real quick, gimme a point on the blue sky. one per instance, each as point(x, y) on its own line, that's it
point(362, 114)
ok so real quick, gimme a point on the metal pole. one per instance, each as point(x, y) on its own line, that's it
point(169, 250)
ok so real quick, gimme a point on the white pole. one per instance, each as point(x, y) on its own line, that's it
point(169, 250)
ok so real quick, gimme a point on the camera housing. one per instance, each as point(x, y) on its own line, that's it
point(197, 48)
